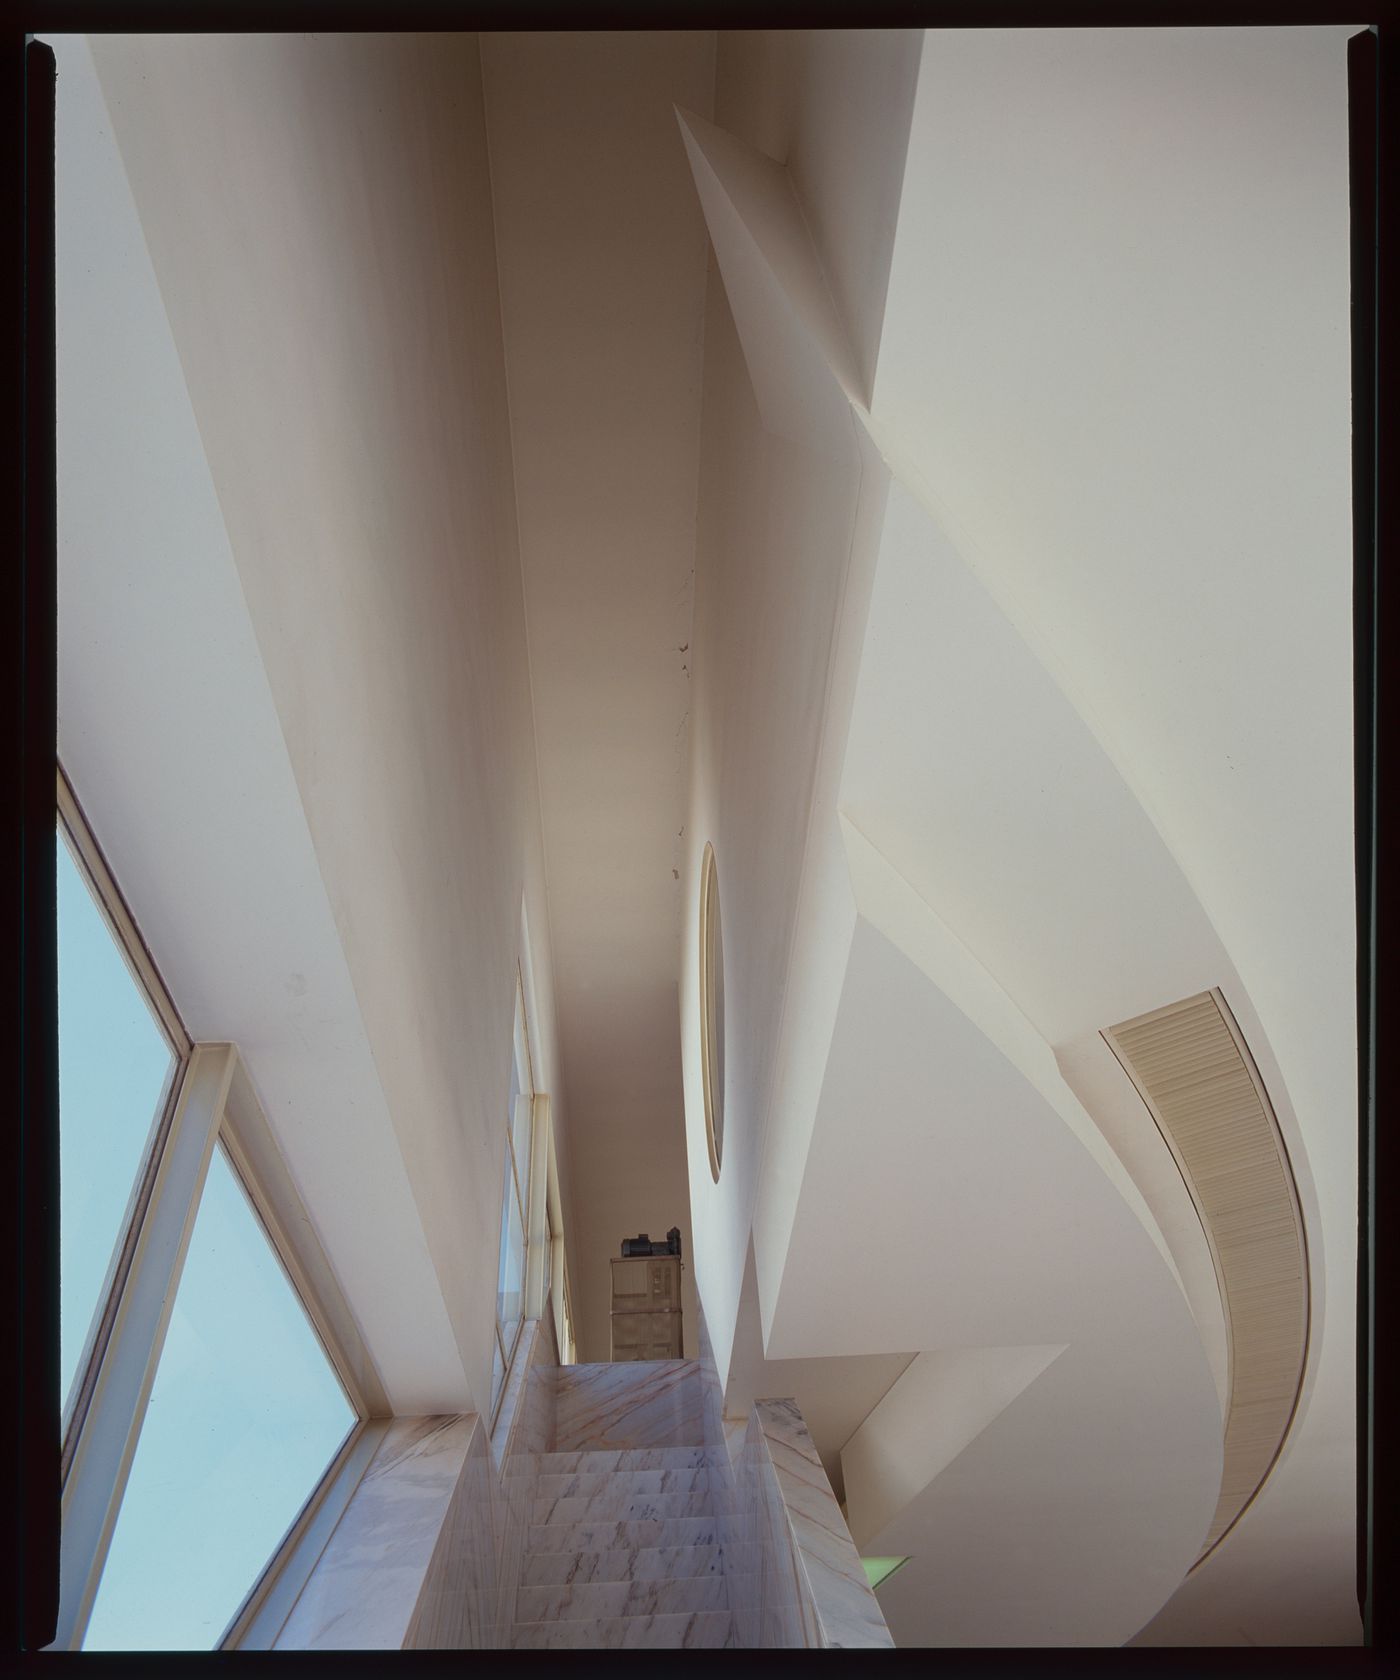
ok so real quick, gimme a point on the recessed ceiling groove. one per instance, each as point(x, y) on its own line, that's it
point(1193, 1070)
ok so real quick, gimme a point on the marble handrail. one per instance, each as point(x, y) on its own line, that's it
point(795, 1577)
point(365, 1589)
point(814, 1590)
point(426, 1554)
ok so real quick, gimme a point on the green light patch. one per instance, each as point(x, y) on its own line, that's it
point(880, 1569)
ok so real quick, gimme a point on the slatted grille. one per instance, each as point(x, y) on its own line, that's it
point(1196, 1075)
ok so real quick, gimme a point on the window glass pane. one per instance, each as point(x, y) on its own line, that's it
point(498, 1372)
point(567, 1352)
point(245, 1415)
point(520, 1141)
point(520, 1110)
point(113, 1061)
point(511, 1280)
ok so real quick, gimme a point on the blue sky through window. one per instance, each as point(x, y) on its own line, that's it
point(245, 1415)
point(113, 1061)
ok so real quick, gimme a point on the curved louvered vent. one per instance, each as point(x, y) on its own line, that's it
point(1196, 1075)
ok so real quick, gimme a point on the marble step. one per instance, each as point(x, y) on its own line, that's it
point(619, 1505)
point(665, 1632)
point(600, 1600)
point(596, 1460)
point(627, 1563)
point(619, 1535)
point(582, 1483)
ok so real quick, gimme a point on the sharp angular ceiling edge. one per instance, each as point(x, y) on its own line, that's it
point(836, 1393)
point(890, 902)
point(1071, 1515)
point(781, 303)
point(939, 1406)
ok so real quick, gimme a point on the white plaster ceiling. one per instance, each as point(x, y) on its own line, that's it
point(968, 765)
point(170, 734)
point(601, 253)
point(943, 1203)
point(317, 210)
point(1139, 434)
point(1101, 789)
point(1087, 1498)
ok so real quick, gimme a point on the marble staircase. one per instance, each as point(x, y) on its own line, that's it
point(610, 1505)
point(622, 1550)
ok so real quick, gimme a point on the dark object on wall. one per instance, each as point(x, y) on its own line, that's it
point(632, 1246)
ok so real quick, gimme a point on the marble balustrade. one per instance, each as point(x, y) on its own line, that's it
point(795, 1578)
point(407, 1521)
point(524, 1432)
point(433, 1550)
point(458, 1602)
point(813, 1588)
point(426, 1554)
point(738, 1551)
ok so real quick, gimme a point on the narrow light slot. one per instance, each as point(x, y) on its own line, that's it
point(879, 1569)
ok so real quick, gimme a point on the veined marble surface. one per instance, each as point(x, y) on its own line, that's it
point(652, 1403)
point(785, 1613)
point(835, 1602)
point(639, 1563)
point(735, 1429)
point(604, 1460)
point(608, 1508)
point(457, 1606)
point(616, 1536)
point(597, 1600)
point(365, 1587)
point(621, 1504)
point(622, 1548)
point(793, 1572)
point(524, 1431)
point(583, 1483)
point(702, 1628)
point(724, 1440)
point(711, 1390)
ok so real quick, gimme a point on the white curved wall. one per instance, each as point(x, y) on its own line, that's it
point(1013, 640)
point(318, 220)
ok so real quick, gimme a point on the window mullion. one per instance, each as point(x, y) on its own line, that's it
point(537, 1256)
point(270, 1600)
point(515, 1180)
point(120, 922)
point(95, 1345)
point(107, 1440)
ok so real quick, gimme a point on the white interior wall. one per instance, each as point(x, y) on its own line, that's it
point(1079, 315)
point(777, 518)
point(318, 213)
point(939, 1406)
point(773, 540)
point(601, 254)
point(946, 1207)
point(1116, 366)
point(836, 1394)
point(169, 733)
point(1090, 582)
point(833, 105)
